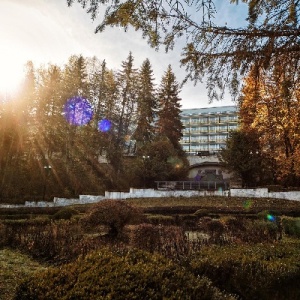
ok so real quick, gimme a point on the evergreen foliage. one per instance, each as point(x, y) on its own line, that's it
point(259, 271)
point(43, 155)
point(243, 156)
point(169, 122)
point(129, 275)
point(146, 105)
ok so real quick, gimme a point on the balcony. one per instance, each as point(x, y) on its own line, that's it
point(193, 185)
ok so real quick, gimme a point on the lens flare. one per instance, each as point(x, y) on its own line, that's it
point(247, 204)
point(104, 125)
point(78, 111)
point(271, 218)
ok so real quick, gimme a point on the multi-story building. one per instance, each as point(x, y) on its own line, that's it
point(206, 129)
point(205, 133)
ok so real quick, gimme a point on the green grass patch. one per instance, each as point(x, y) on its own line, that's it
point(14, 267)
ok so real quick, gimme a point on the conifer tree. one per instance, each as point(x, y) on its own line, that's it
point(74, 84)
point(50, 122)
point(169, 122)
point(127, 96)
point(75, 77)
point(16, 135)
point(146, 105)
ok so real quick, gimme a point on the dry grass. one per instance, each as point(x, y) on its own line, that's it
point(215, 201)
point(14, 267)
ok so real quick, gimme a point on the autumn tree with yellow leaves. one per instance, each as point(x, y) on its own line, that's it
point(271, 107)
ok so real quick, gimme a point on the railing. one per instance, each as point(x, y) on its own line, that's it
point(193, 185)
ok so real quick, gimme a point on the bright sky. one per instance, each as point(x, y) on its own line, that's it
point(46, 31)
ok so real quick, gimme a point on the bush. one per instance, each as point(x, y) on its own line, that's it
point(146, 237)
point(113, 213)
point(65, 213)
point(127, 275)
point(58, 241)
point(252, 231)
point(291, 226)
point(214, 228)
point(262, 271)
point(167, 240)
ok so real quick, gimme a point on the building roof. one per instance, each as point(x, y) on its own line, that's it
point(209, 110)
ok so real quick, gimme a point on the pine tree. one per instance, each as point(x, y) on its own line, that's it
point(146, 105)
point(126, 105)
point(74, 84)
point(75, 77)
point(169, 122)
point(50, 122)
point(16, 135)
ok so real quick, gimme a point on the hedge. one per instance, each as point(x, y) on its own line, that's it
point(262, 271)
point(129, 275)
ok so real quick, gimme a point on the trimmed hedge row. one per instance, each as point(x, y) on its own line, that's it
point(262, 271)
point(128, 275)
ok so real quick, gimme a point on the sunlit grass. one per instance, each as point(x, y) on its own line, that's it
point(216, 202)
point(14, 267)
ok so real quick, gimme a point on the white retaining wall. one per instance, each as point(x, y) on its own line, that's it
point(151, 193)
point(256, 193)
point(264, 193)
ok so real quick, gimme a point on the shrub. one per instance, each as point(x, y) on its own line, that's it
point(65, 213)
point(291, 226)
point(262, 271)
point(146, 237)
point(127, 275)
point(252, 231)
point(214, 228)
point(167, 240)
point(58, 241)
point(113, 213)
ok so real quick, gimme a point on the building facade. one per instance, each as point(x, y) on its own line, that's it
point(206, 129)
point(205, 133)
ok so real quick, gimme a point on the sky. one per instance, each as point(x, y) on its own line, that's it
point(48, 31)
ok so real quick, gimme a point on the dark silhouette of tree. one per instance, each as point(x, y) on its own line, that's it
point(146, 105)
point(169, 122)
point(127, 97)
point(243, 157)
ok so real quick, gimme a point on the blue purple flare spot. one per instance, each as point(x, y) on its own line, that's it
point(104, 125)
point(271, 218)
point(78, 111)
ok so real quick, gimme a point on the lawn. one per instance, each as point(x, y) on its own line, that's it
point(14, 267)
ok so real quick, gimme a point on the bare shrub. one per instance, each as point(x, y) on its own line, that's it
point(146, 237)
point(113, 213)
point(169, 241)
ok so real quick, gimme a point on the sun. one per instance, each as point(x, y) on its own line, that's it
point(11, 74)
